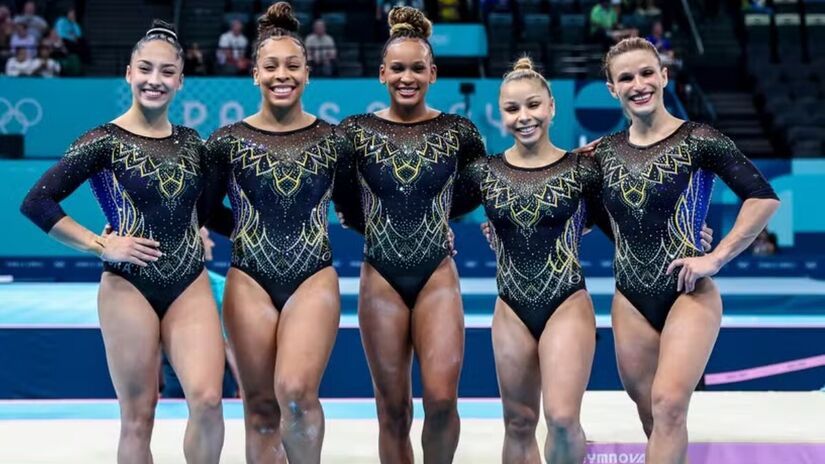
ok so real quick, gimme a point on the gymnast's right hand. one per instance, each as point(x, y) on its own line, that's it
point(488, 233)
point(135, 250)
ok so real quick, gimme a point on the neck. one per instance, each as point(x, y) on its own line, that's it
point(148, 120)
point(652, 126)
point(538, 154)
point(408, 113)
point(281, 117)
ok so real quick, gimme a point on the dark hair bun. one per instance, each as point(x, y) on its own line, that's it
point(409, 21)
point(160, 26)
point(278, 16)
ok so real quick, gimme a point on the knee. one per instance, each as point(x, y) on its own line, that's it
point(520, 425)
point(669, 408)
point(205, 402)
point(137, 421)
point(262, 413)
point(440, 408)
point(561, 421)
point(395, 415)
point(296, 398)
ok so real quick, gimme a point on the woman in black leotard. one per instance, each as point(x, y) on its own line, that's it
point(281, 303)
point(657, 179)
point(538, 198)
point(408, 158)
point(147, 175)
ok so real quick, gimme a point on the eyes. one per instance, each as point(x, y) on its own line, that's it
point(272, 67)
point(511, 109)
point(167, 71)
point(627, 77)
point(417, 68)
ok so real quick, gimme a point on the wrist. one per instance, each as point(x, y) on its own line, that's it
point(718, 258)
point(98, 246)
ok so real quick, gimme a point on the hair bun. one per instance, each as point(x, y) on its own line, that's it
point(160, 26)
point(410, 21)
point(278, 16)
point(523, 64)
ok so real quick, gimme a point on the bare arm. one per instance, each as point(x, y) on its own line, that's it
point(752, 218)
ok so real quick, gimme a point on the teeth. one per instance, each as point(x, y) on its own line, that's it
point(282, 90)
point(527, 130)
point(641, 97)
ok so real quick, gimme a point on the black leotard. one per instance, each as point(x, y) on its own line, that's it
point(147, 187)
point(279, 185)
point(657, 198)
point(537, 216)
point(407, 172)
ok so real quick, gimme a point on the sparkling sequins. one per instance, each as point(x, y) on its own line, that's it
point(537, 215)
point(407, 172)
point(280, 185)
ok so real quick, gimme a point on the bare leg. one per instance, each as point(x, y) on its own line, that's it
point(637, 354)
point(519, 380)
point(191, 334)
point(131, 335)
point(566, 353)
point(384, 320)
point(686, 343)
point(306, 334)
point(438, 338)
point(252, 322)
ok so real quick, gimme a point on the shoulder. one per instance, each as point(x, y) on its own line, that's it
point(353, 121)
point(221, 133)
point(609, 143)
point(188, 133)
point(698, 130)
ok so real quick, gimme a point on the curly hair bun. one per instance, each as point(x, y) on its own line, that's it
point(409, 21)
point(278, 16)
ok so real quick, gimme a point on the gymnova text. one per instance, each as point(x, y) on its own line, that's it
point(614, 458)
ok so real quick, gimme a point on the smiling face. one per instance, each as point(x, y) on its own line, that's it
point(155, 74)
point(526, 109)
point(281, 72)
point(638, 80)
point(407, 71)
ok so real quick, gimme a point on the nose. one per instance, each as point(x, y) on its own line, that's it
point(154, 77)
point(523, 115)
point(407, 77)
point(280, 73)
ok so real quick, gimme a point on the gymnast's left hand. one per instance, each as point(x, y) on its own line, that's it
point(692, 270)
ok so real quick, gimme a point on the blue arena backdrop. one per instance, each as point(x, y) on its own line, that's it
point(459, 40)
point(51, 113)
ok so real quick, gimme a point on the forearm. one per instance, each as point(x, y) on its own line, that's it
point(72, 234)
point(752, 219)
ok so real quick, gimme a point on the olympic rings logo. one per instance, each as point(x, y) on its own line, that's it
point(26, 112)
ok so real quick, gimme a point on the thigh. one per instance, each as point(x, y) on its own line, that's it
point(384, 321)
point(566, 351)
point(438, 331)
point(131, 336)
point(517, 363)
point(637, 347)
point(688, 338)
point(251, 322)
point(307, 329)
point(192, 338)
